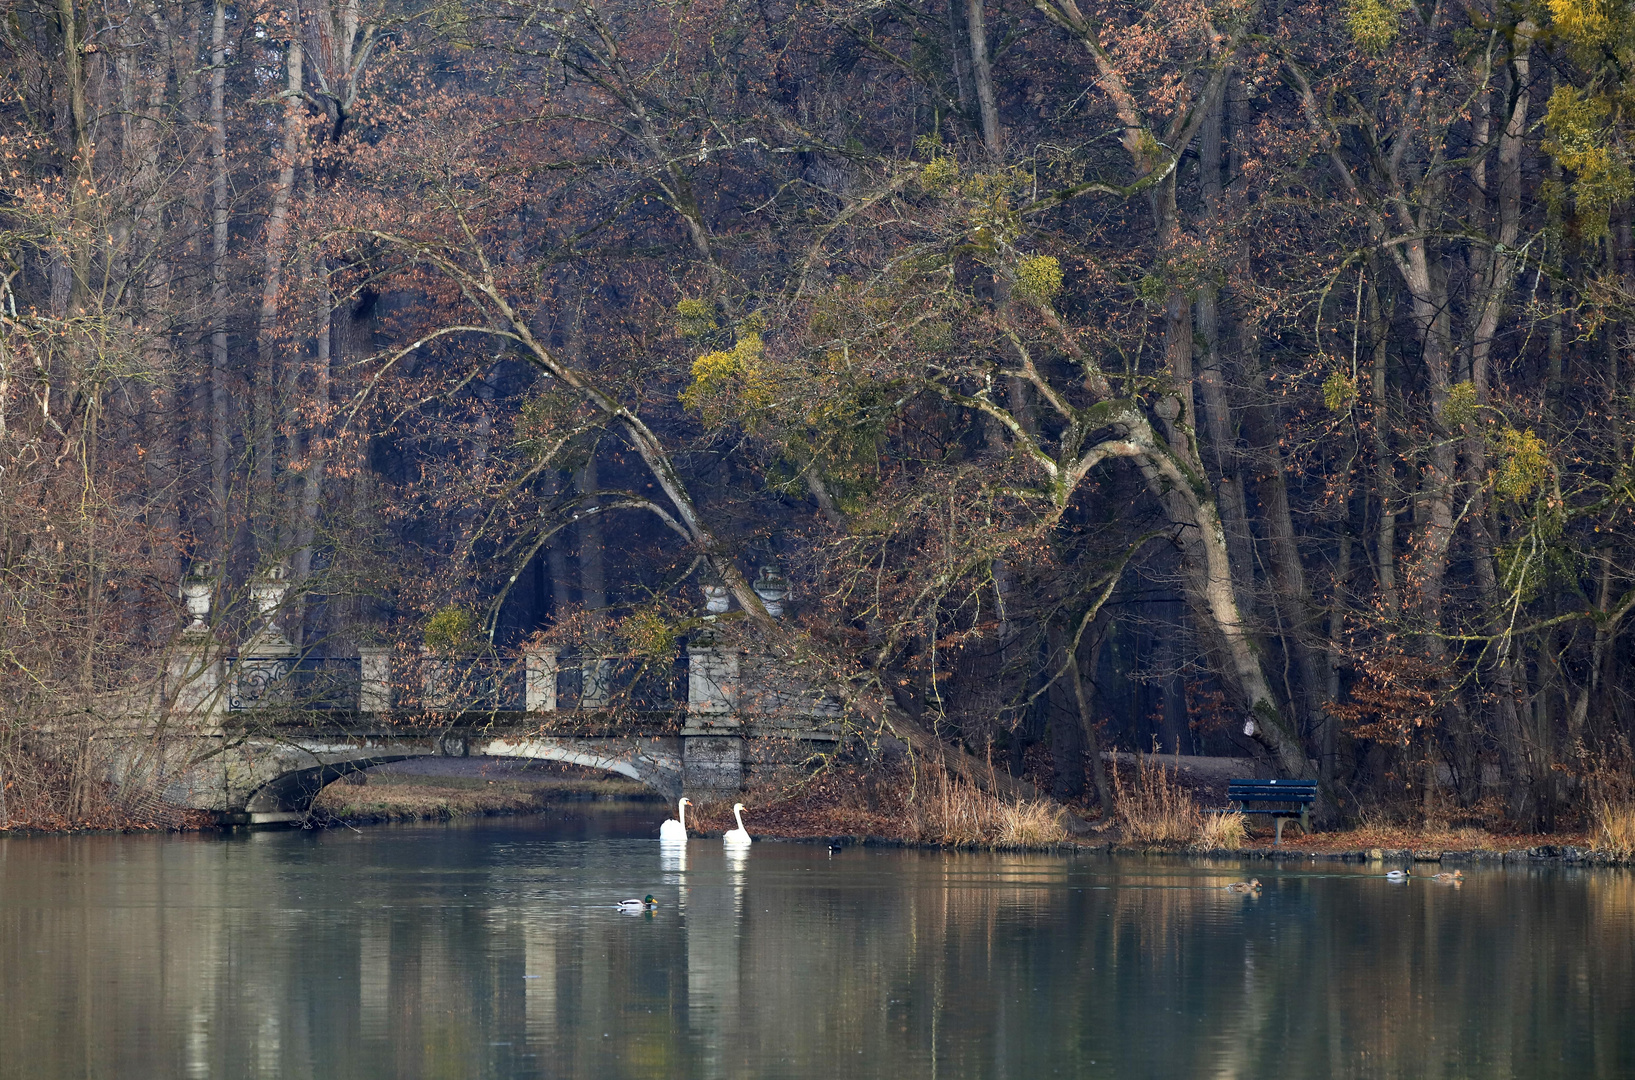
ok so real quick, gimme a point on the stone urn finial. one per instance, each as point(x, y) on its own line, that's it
point(195, 588)
point(717, 599)
point(268, 594)
point(772, 588)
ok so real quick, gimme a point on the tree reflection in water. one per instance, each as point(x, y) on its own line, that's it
point(494, 951)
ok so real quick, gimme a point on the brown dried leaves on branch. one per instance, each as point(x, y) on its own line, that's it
point(1395, 698)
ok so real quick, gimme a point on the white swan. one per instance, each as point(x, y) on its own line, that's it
point(738, 837)
point(675, 831)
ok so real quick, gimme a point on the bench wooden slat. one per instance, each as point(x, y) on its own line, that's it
point(1300, 792)
point(1272, 791)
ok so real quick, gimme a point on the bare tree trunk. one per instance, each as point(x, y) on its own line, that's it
point(982, 72)
point(556, 558)
point(160, 418)
point(1087, 720)
point(1380, 426)
point(315, 409)
point(1495, 273)
point(592, 577)
point(959, 46)
point(1220, 441)
point(220, 434)
point(1298, 615)
point(81, 149)
point(274, 237)
point(1066, 739)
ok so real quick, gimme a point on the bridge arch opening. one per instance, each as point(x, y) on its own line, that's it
point(289, 796)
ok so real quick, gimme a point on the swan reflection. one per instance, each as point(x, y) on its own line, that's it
point(672, 862)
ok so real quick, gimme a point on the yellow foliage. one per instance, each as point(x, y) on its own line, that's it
point(1578, 138)
point(450, 630)
point(938, 173)
point(1460, 408)
point(1524, 466)
point(1586, 23)
point(695, 318)
point(1373, 23)
point(1339, 391)
point(1039, 277)
point(739, 369)
point(648, 634)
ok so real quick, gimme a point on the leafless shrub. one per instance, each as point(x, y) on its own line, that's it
point(1156, 809)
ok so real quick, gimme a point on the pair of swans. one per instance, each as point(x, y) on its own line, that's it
point(674, 831)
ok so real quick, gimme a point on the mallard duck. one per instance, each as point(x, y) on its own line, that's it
point(738, 837)
point(1250, 886)
point(1449, 878)
point(1398, 875)
point(674, 831)
point(647, 903)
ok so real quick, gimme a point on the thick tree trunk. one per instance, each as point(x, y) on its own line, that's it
point(1297, 615)
point(267, 525)
point(161, 415)
point(1380, 424)
point(592, 576)
point(959, 43)
point(220, 392)
point(982, 72)
point(1066, 728)
point(1222, 460)
point(311, 416)
point(1082, 696)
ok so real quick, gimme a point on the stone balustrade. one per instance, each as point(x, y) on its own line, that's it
point(713, 688)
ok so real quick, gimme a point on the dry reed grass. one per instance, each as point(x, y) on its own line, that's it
point(1222, 831)
point(953, 811)
point(1613, 828)
point(1155, 808)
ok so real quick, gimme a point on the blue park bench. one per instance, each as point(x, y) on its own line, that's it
point(1251, 797)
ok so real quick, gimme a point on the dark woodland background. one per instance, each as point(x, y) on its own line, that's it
point(1250, 377)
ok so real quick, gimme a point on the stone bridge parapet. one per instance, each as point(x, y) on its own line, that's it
point(252, 734)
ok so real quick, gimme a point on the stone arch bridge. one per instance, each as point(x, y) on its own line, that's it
point(272, 777)
point(252, 738)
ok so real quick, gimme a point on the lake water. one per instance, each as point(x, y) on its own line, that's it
point(494, 950)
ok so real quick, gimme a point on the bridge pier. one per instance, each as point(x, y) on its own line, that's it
point(712, 764)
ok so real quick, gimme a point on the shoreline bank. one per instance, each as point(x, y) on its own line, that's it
point(400, 802)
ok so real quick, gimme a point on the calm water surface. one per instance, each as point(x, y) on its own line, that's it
point(494, 950)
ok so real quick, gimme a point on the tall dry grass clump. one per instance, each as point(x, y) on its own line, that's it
point(954, 811)
point(1222, 831)
point(1613, 828)
point(1155, 808)
point(1029, 823)
point(1610, 789)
